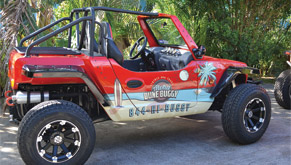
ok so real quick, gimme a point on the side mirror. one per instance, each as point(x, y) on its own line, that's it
point(199, 52)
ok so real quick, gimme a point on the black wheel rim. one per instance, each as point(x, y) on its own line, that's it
point(58, 141)
point(254, 115)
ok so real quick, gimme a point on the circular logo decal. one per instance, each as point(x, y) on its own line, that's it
point(161, 91)
point(184, 75)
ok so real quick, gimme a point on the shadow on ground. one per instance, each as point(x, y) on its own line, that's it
point(197, 139)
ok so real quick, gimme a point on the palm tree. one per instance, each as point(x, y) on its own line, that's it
point(12, 22)
point(17, 19)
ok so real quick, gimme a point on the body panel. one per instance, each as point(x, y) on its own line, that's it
point(160, 94)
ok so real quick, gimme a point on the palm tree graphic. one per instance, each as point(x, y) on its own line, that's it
point(207, 74)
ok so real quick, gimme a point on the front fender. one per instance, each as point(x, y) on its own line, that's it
point(231, 74)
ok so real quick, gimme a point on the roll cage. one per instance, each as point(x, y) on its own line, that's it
point(77, 21)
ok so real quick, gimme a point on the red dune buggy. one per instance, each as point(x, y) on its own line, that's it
point(58, 93)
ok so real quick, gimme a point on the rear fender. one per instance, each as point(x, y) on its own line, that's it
point(46, 71)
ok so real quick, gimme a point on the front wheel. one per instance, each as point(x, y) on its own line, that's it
point(56, 132)
point(246, 113)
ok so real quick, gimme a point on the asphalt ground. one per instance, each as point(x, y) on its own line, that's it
point(197, 139)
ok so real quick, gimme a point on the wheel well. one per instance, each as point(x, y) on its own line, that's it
point(220, 98)
point(76, 93)
point(240, 79)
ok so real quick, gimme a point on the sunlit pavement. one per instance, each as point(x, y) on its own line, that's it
point(196, 139)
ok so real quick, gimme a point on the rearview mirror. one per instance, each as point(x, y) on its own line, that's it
point(199, 52)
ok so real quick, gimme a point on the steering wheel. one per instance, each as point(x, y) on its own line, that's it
point(140, 48)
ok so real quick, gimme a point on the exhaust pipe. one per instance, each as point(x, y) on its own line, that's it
point(22, 97)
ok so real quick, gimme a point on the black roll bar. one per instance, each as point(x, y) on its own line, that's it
point(92, 29)
point(83, 32)
point(43, 29)
point(114, 10)
point(46, 37)
point(77, 30)
point(86, 18)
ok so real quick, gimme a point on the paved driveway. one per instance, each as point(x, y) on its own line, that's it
point(198, 139)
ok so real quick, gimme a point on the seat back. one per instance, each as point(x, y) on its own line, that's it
point(87, 39)
point(108, 46)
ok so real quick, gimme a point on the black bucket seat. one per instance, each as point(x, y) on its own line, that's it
point(108, 46)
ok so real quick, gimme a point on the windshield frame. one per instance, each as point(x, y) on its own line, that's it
point(157, 41)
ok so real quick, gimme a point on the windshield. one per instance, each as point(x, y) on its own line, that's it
point(165, 32)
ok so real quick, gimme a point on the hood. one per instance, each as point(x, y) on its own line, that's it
point(225, 62)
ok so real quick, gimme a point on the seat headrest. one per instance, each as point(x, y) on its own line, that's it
point(107, 33)
point(109, 47)
point(87, 38)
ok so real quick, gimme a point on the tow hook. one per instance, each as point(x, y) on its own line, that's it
point(9, 101)
point(7, 93)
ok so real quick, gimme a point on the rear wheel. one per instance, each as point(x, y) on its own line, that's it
point(246, 113)
point(56, 132)
point(282, 89)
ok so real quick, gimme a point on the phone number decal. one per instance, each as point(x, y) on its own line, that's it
point(166, 108)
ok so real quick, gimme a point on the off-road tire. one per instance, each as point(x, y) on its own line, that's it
point(282, 89)
point(235, 107)
point(46, 112)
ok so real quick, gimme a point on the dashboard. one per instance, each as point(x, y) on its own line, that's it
point(171, 51)
point(167, 58)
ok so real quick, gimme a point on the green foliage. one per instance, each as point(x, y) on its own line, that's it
point(18, 19)
point(165, 30)
point(255, 32)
